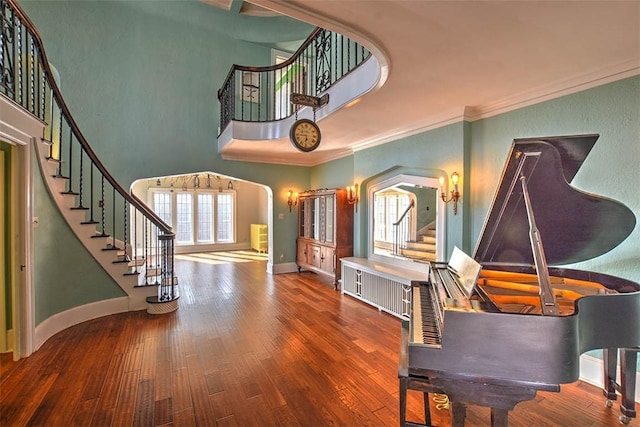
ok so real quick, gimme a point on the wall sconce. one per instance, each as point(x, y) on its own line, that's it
point(292, 199)
point(230, 186)
point(352, 195)
point(455, 194)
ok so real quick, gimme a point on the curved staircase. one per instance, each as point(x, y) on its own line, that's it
point(423, 249)
point(133, 245)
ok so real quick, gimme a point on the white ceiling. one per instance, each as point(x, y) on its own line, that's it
point(446, 61)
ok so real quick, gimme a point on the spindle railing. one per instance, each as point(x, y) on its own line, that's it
point(262, 94)
point(402, 230)
point(26, 78)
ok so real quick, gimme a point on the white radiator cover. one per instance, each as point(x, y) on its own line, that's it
point(392, 295)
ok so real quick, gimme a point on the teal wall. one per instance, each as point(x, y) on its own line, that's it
point(62, 282)
point(478, 151)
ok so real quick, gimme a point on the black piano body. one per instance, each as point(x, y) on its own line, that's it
point(537, 224)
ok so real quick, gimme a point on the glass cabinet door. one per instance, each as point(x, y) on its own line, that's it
point(315, 218)
point(328, 217)
point(302, 219)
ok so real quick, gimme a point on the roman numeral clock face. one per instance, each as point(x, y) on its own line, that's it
point(305, 135)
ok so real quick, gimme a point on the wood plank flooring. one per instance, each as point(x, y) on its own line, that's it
point(244, 349)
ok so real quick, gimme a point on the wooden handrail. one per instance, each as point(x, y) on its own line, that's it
point(412, 204)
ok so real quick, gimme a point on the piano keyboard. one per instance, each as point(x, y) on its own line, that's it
point(426, 318)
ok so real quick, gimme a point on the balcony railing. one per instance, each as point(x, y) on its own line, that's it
point(262, 94)
point(27, 79)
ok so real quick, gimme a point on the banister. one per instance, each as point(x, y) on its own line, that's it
point(406, 211)
point(29, 25)
point(324, 58)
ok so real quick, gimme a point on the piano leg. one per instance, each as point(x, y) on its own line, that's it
point(403, 400)
point(628, 364)
point(499, 417)
point(458, 414)
point(610, 362)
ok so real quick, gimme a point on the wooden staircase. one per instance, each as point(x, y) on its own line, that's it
point(422, 249)
point(135, 276)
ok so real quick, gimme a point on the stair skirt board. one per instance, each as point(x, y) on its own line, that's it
point(63, 320)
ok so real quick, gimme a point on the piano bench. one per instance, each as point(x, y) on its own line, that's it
point(409, 382)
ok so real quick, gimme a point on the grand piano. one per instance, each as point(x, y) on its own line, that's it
point(495, 328)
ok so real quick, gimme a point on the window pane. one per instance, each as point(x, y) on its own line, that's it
point(162, 206)
point(225, 218)
point(184, 213)
point(205, 217)
point(392, 216)
point(380, 219)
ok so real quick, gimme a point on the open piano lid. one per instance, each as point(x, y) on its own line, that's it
point(573, 225)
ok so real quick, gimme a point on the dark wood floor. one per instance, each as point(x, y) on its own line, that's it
point(245, 348)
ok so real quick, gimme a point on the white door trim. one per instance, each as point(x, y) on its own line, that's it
point(23, 130)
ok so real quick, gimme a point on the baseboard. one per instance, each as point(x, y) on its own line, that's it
point(287, 267)
point(73, 316)
point(591, 369)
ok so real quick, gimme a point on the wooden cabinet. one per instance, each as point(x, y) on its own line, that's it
point(325, 231)
point(259, 237)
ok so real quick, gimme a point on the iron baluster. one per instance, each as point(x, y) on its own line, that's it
point(43, 95)
point(146, 248)
point(31, 67)
point(36, 83)
point(16, 58)
point(101, 204)
point(91, 204)
point(69, 160)
point(135, 240)
point(126, 235)
point(59, 153)
point(80, 189)
point(114, 246)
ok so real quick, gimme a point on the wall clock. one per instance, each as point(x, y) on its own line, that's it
point(305, 135)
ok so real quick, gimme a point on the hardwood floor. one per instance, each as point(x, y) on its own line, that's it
point(245, 348)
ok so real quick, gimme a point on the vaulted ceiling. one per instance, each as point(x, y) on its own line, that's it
point(447, 61)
